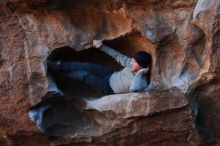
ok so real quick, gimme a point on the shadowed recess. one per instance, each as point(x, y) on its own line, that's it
point(61, 113)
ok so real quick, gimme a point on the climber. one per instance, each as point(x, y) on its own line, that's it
point(134, 77)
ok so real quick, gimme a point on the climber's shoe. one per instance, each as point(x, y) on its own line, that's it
point(54, 93)
point(54, 65)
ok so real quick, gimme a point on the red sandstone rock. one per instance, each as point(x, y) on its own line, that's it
point(182, 37)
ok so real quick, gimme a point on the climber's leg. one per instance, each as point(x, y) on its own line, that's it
point(100, 83)
point(72, 66)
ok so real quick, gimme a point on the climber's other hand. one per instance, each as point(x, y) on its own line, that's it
point(143, 70)
point(96, 43)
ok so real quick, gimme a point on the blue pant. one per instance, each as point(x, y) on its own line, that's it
point(92, 74)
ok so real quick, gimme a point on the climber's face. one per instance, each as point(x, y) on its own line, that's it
point(135, 66)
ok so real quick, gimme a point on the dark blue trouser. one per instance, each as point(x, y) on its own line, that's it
point(92, 74)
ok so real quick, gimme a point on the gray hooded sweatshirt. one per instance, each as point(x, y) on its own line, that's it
point(125, 80)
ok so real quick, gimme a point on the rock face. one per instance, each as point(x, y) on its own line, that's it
point(181, 105)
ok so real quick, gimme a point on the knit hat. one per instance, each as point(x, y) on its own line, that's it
point(142, 58)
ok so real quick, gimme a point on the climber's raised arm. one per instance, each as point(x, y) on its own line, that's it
point(119, 57)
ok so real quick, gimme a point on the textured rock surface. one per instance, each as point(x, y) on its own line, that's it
point(205, 96)
point(181, 106)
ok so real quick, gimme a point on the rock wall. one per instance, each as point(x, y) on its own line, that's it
point(180, 108)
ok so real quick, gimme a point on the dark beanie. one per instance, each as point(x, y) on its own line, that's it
point(142, 58)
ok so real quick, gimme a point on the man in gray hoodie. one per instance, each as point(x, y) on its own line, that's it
point(134, 77)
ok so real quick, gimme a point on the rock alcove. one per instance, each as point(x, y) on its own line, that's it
point(128, 45)
point(61, 114)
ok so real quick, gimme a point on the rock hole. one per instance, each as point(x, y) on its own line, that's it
point(65, 114)
point(76, 88)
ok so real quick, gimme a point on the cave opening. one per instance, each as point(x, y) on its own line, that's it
point(72, 87)
point(64, 114)
point(128, 45)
